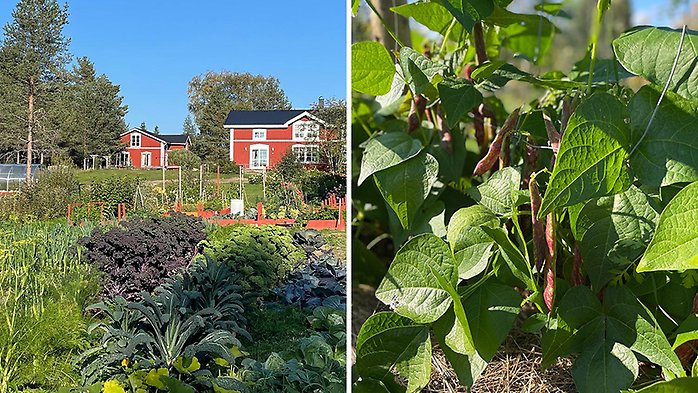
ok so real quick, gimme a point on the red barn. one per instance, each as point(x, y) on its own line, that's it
point(147, 150)
point(258, 139)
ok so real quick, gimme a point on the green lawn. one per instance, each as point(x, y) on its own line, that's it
point(253, 193)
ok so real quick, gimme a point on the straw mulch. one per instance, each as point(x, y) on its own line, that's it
point(515, 368)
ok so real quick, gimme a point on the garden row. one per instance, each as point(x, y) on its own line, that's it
point(288, 191)
point(167, 304)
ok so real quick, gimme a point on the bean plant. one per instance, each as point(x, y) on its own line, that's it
point(575, 211)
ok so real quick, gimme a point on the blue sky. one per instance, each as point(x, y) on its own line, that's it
point(152, 49)
point(658, 12)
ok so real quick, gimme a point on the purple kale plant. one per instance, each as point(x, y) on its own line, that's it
point(140, 254)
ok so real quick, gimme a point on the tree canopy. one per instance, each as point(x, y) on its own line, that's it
point(333, 147)
point(44, 104)
point(33, 54)
point(214, 94)
point(93, 113)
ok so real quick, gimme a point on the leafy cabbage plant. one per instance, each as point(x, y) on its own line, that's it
point(182, 334)
point(580, 205)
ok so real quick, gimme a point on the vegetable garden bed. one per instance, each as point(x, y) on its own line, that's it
point(149, 278)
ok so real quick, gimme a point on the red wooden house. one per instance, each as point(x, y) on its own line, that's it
point(258, 139)
point(147, 150)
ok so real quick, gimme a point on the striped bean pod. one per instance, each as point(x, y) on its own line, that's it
point(488, 161)
point(550, 256)
point(539, 244)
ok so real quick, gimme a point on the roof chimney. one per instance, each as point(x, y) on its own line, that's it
point(320, 102)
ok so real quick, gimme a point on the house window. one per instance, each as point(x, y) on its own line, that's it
point(259, 156)
point(259, 134)
point(305, 130)
point(307, 154)
point(145, 160)
point(123, 159)
point(135, 140)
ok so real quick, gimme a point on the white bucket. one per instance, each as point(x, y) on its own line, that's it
point(237, 207)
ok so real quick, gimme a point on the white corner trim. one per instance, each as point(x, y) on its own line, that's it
point(232, 144)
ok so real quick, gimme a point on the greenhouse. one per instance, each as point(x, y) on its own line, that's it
point(12, 175)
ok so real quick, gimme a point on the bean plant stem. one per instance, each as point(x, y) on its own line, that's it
point(446, 36)
point(539, 35)
point(595, 29)
point(385, 24)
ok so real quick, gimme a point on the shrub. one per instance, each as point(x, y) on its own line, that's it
point(49, 195)
point(184, 158)
point(227, 166)
point(261, 255)
point(114, 190)
point(289, 168)
point(140, 254)
point(8, 206)
point(318, 185)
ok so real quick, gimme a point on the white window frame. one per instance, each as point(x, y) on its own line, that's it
point(259, 164)
point(259, 134)
point(124, 159)
point(303, 153)
point(306, 130)
point(143, 159)
point(133, 139)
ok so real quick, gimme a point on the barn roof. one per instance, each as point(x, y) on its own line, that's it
point(178, 139)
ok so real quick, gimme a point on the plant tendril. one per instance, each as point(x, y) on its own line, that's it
point(661, 97)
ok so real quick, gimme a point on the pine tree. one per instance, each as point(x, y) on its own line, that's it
point(33, 54)
point(94, 113)
point(189, 128)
